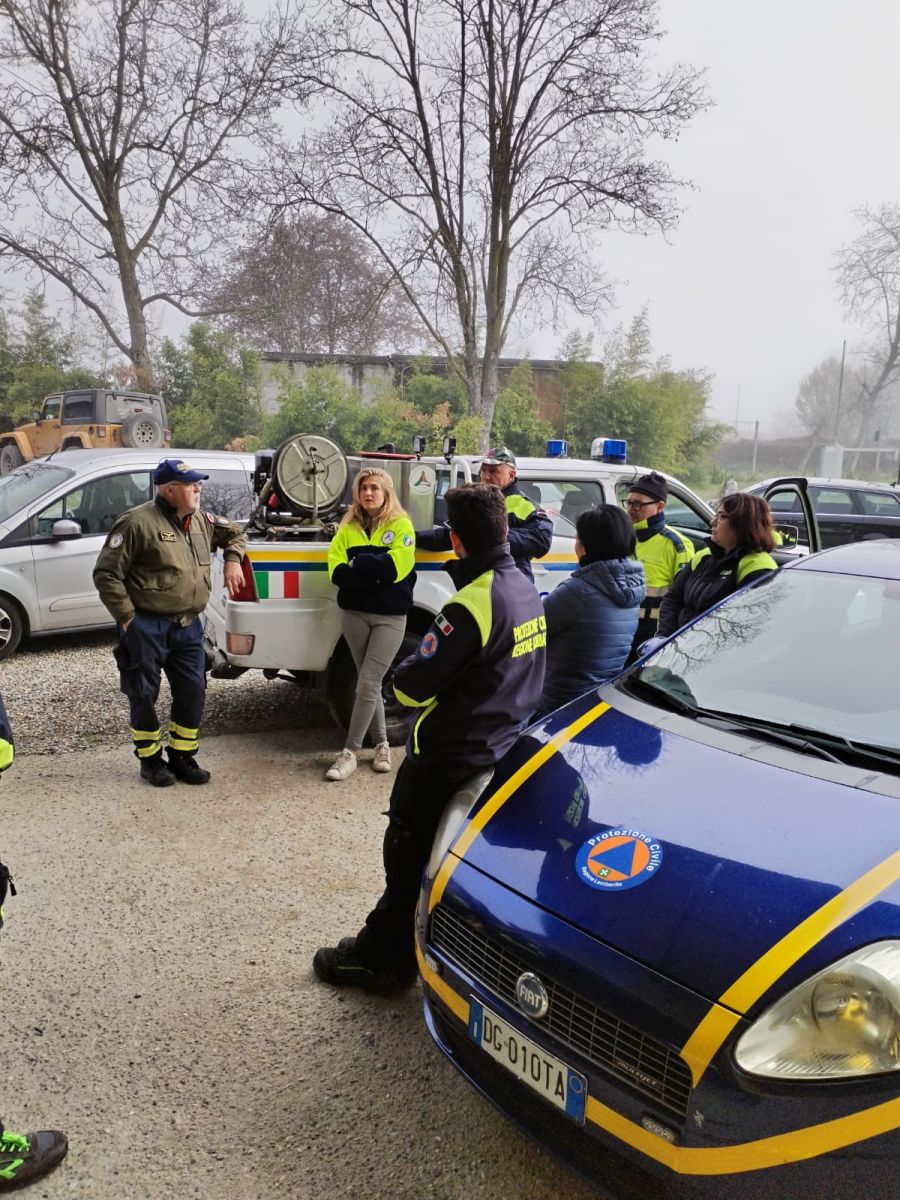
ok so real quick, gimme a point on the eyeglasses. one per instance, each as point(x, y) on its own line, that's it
point(719, 516)
point(638, 504)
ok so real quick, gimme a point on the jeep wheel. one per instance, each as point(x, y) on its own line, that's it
point(11, 626)
point(142, 431)
point(10, 457)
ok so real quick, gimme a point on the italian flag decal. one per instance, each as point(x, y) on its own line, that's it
point(277, 585)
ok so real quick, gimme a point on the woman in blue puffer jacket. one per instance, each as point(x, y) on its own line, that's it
point(592, 616)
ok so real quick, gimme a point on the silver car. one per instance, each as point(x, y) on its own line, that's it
point(55, 514)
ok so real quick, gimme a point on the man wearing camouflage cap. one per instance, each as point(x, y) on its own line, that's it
point(153, 574)
point(530, 529)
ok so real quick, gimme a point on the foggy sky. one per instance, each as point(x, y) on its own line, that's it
point(802, 132)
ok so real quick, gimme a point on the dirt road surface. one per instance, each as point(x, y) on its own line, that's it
point(159, 1006)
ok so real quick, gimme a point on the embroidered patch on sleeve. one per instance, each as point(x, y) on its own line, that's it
point(443, 624)
point(115, 541)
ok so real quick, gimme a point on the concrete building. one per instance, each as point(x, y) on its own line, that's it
point(371, 373)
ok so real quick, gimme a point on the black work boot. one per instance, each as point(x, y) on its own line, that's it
point(155, 771)
point(26, 1156)
point(343, 966)
point(184, 767)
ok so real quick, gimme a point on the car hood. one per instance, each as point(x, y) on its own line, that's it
point(690, 850)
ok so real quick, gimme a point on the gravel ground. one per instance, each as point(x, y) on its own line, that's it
point(63, 694)
point(159, 1004)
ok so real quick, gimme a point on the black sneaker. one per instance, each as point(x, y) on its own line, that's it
point(155, 771)
point(184, 767)
point(342, 966)
point(26, 1156)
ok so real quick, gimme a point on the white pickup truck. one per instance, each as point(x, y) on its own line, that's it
point(287, 620)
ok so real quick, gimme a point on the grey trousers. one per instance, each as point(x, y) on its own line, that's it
point(373, 639)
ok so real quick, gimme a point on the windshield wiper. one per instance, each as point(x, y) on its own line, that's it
point(867, 750)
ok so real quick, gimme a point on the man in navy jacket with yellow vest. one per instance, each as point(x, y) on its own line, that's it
point(662, 551)
point(475, 678)
point(530, 529)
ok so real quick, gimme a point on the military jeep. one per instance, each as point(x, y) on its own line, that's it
point(90, 418)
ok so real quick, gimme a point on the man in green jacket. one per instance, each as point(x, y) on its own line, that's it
point(153, 574)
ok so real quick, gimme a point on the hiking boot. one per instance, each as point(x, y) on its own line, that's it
point(343, 966)
point(155, 771)
point(184, 767)
point(382, 758)
point(26, 1156)
point(342, 767)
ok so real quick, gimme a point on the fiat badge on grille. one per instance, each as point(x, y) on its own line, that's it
point(531, 996)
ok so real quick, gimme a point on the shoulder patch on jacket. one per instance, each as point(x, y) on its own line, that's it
point(215, 519)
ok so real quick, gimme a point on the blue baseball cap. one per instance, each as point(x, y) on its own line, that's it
point(173, 470)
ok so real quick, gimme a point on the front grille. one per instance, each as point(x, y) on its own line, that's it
point(610, 1044)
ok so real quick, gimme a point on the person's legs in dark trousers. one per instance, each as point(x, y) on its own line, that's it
point(140, 655)
point(383, 953)
point(185, 668)
point(646, 629)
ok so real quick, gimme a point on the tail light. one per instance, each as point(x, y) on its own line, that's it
point(167, 435)
point(101, 431)
point(247, 590)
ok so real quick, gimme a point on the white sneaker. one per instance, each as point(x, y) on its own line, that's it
point(342, 767)
point(382, 759)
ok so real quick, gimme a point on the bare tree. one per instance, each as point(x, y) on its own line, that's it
point(124, 134)
point(827, 405)
point(312, 284)
point(480, 145)
point(868, 273)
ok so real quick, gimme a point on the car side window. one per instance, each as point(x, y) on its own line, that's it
point(831, 500)
point(50, 411)
point(228, 494)
point(564, 500)
point(880, 504)
point(681, 515)
point(782, 502)
point(96, 505)
point(78, 409)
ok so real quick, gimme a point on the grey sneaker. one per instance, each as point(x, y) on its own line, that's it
point(342, 767)
point(382, 758)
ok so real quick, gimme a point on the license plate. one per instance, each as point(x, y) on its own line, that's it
point(546, 1075)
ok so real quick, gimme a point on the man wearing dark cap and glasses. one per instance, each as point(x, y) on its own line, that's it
point(153, 574)
point(530, 528)
point(663, 551)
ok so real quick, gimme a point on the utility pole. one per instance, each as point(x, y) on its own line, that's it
point(837, 415)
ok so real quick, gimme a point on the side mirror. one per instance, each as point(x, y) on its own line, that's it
point(786, 536)
point(65, 530)
point(36, 416)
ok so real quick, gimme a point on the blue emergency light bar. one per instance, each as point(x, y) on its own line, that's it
point(609, 450)
point(558, 448)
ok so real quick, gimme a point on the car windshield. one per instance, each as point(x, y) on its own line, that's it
point(809, 652)
point(27, 483)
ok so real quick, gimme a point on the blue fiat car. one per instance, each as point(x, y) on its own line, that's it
point(664, 938)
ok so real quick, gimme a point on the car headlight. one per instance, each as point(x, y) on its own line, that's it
point(843, 1022)
point(455, 815)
